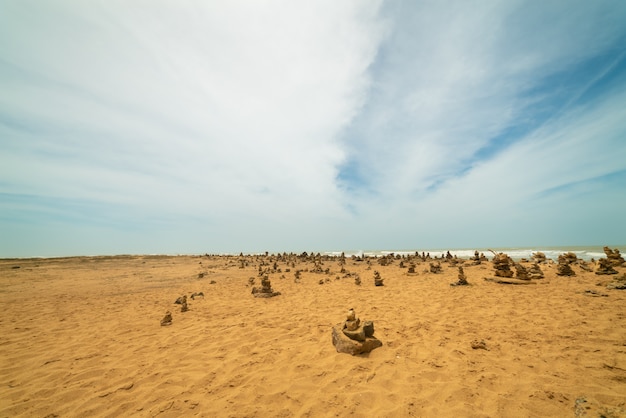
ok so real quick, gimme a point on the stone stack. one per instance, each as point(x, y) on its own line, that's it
point(167, 319)
point(605, 266)
point(183, 305)
point(378, 281)
point(614, 257)
point(618, 283)
point(462, 280)
point(354, 337)
point(411, 269)
point(564, 268)
point(435, 267)
point(520, 272)
point(569, 257)
point(539, 257)
point(534, 272)
point(357, 280)
point(502, 264)
point(265, 291)
point(584, 266)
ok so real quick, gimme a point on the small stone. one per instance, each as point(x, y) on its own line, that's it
point(479, 344)
point(167, 319)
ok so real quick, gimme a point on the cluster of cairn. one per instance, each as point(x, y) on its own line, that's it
point(265, 291)
point(478, 258)
point(353, 336)
point(564, 267)
point(184, 307)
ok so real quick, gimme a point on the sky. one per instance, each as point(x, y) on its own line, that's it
point(143, 127)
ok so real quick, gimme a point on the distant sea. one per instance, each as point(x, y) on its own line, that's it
point(583, 252)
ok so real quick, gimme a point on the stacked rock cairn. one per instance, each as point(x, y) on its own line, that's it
point(521, 273)
point(534, 272)
point(564, 268)
point(614, 257)
point(539, 257)
point(182, 301)
point(183, 305)
point(354, 337)
point(411, 269)
point(605, 266)
point(265, 291)
point(435, 267)
point(502, 264)
point(378, 281)
point(462, 280)
point(167, 319)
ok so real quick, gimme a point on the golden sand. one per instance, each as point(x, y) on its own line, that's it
point(81, 337)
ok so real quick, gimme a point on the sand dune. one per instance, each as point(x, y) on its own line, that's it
point(81, 337)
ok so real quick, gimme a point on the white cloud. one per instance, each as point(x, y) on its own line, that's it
point(187, 105)
point(455, 75)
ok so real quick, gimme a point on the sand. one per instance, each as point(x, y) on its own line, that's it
point(81, 337)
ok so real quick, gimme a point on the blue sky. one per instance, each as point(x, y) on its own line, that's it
point(195, 126)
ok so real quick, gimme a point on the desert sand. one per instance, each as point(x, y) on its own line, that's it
point(81, 337)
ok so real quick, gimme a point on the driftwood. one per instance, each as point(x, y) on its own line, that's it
point(506, 280)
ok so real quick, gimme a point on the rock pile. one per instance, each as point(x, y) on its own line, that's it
point(534, 272)
point(614, 257)
point(619, 283)
point(435, 267)
point(183, 305)
point(478, 258)
point(584, 266)
point(539, 257)
point(265, 291)
point(520, 272)
point(605, 266)
point(167, 319)
point(462, 281)
point(569, 257)
point(354, 337)
point(564, 268)
point(411, 269)
point(502, 264)
point(378, 281)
